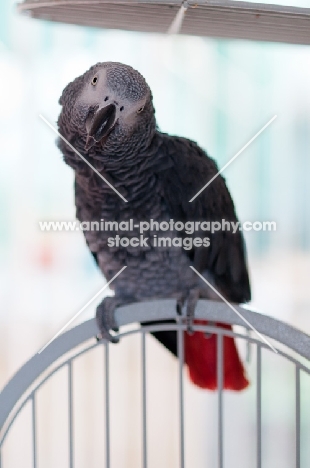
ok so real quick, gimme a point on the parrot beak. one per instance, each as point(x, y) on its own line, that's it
point(100, 124)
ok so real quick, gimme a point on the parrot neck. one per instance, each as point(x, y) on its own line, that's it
point(131, 176)
point(113, 156)
point(119, 154)
point(121, 148)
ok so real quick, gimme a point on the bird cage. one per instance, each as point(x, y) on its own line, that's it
point(213, 18)
point(292, 346)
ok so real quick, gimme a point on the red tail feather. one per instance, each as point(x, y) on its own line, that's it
point(201, 358)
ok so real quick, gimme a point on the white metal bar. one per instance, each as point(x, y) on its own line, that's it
point(83, 331)
point(248, 347)
point(220, 383)
point(206, 310)
point(144, 402)
point(70, 414)
point(297, 377)
point(107, 404)
point(180, 339)
point(164, 309)
point(34, 430)
point(259, 405)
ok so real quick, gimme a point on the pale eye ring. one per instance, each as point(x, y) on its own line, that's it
point(140, 110)
point(94, 80)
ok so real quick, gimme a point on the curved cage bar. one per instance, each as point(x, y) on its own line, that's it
point(23, 389)
point(213, 18)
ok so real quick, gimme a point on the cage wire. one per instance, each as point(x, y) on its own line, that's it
point(293, 346)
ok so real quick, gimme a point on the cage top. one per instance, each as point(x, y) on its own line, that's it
point(213, 18)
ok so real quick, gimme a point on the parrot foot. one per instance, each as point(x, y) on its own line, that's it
point(105, 317)
point(181, 298)
point(192, 299)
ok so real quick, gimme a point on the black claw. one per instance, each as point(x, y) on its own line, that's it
point(189, 327)
point(180, 304)
point(106, 335)
point(192, 298)
point(114, 339)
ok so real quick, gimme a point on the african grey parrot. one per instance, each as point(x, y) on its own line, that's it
point(108, 117)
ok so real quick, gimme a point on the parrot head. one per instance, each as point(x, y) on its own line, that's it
point(108, 106)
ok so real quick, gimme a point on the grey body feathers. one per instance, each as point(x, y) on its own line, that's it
point(158, 174)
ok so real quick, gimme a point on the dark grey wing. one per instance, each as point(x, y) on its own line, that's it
point(225, 258)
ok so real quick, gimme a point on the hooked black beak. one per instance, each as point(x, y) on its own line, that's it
point(100, 124)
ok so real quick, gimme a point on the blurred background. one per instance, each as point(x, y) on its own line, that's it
point(218, 93)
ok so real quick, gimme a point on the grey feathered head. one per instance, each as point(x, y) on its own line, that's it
point(108, 106)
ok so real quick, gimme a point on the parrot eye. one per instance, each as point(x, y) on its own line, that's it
point(94, 80)
point(140, 110)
